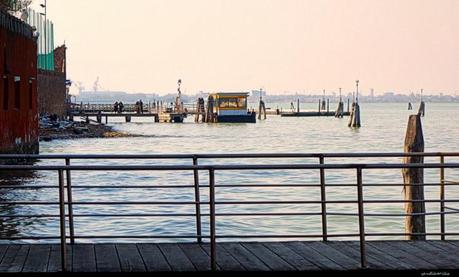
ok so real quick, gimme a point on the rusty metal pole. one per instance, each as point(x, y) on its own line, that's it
point(197, 198)
point(363, 255)
point(442, 198)
point(323, 200)
point(70, 202)
point(213, 244)
point(62, 220)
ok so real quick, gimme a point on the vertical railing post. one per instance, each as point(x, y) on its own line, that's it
point(363, 256)
point(62, 220)
point(442, 198)
point(70, 202)
point(197, 198)
point(323, 199)
point(213, 245)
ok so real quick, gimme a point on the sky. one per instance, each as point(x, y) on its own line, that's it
point(282, 46)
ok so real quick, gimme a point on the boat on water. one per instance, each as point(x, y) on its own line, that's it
point(230, 107)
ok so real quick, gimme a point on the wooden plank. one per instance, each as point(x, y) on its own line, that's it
point(421, 254)
point(8, 258)
point(331, 253)
point(14, 258)
point(37, 259)
point(378, 254)
point(3, 248)
point(290, 256)
point(272, 260)
point(84, 258)
point(130, 258)
point(224, 259)
point(153, 258)
point(434, 255)
point(448, 247)
point(352, 250)
point(176, 258)
point(399, 253)
point(313, 256)
point(197, 256)
point(107, 258)
point(54, 263)
point(245, 257)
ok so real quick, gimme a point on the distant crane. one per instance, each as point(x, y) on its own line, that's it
point(96, 85)
point(79, 86)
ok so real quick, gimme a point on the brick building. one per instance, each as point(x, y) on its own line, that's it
point(18, 86)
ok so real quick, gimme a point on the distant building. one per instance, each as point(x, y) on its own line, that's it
point(18, 86)
point(52, 68)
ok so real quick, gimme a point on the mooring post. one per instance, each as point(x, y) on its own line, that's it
point(328, 105)
point(413, 179)
point(298, 105)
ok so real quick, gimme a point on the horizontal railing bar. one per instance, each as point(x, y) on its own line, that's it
point(223, 186)
point(224, 167)
point(232, 214)
point(236, 155)
point(104, 203)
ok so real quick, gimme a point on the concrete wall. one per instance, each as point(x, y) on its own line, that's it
point(18, 87)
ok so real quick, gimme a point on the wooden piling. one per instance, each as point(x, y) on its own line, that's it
point(413, 179)
point(422, 109)
point(261, 109)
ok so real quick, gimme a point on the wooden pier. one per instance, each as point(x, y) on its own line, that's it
point(311, 114)
point(244, 256)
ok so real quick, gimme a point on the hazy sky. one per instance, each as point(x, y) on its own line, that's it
point(280, 45)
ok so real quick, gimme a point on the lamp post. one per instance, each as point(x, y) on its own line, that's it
point(45, 32)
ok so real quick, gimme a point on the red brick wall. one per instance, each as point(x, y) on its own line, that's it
point(18, 115)
point(51, 93)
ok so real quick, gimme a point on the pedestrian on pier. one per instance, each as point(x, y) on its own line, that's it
point(120, 107)
point(116, 107)
point(141, 106)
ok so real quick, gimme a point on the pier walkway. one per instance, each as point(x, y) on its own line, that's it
point(247, 256)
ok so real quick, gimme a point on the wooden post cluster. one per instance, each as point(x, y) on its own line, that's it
point(413, 179)
point(210, 116)
point(200, 111)
point(262, 109)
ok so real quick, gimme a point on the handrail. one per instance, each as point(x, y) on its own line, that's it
point(65, 185)
point(227, 156)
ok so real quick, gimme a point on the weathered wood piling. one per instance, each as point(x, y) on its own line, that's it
point(354, 120)
point(262, 109)
point(413, 179)
point(200, 111)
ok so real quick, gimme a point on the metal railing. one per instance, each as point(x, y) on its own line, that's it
point(65, 188)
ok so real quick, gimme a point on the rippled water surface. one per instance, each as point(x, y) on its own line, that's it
point(383, 130)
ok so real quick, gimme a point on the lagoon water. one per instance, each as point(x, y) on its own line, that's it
point(383, 130)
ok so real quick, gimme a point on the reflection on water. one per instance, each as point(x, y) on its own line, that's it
point(383, 131)
point(10, 188)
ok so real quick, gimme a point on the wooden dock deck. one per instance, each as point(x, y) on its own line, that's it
point(246, 256)
point(311, 114)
